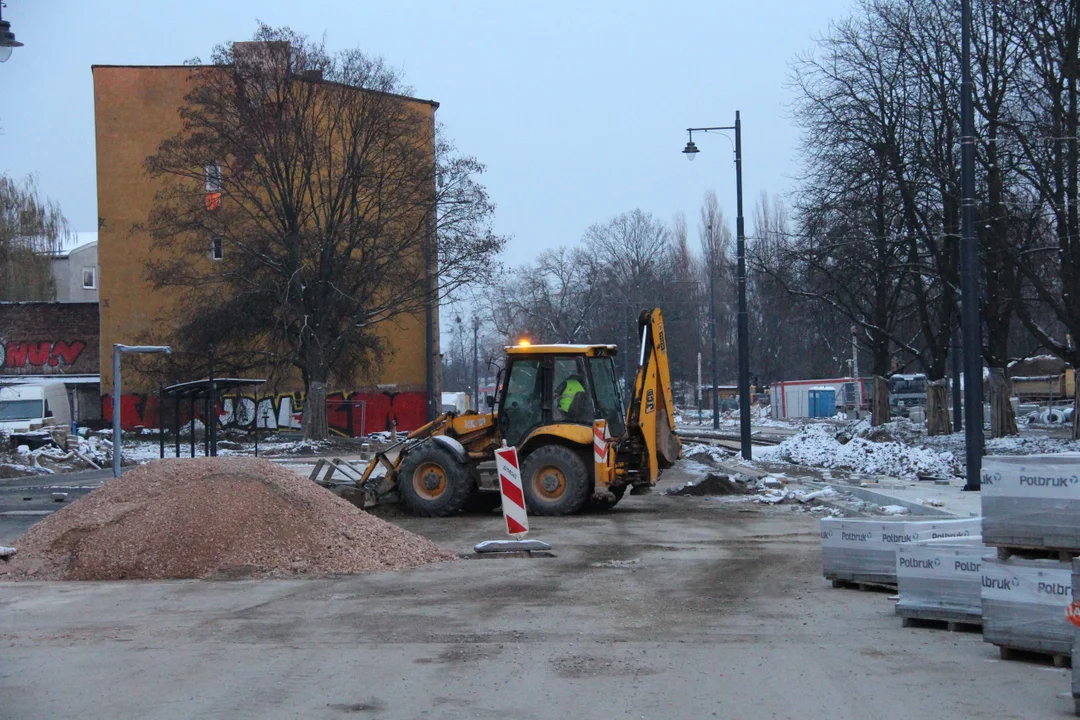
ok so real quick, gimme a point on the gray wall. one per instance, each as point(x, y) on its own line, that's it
point(68, 273)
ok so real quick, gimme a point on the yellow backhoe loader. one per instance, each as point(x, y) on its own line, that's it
point(561, 406)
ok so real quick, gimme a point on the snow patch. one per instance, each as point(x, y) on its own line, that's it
point(818, 446)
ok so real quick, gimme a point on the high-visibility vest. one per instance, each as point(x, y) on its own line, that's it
point(573, 387)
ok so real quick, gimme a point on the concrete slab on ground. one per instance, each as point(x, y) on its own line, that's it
point(921, 498)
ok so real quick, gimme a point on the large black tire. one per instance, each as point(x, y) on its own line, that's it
point(618, 492)
point(555, 480)
point(432, 483)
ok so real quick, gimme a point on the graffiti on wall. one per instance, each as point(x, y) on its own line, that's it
point(348, 414)
point(40, 354)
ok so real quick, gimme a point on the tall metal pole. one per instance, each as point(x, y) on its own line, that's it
point(255, 416)
point(161, 419)
point(429, 325)
point(957, 402)
point(116, 447)
point(744, 328)
point(211, 415)
point(629, 389)
point(969, 268)
point(476, 363)
point(698, 395)
point(712, 325)
point(854, 352)
point(176, 423)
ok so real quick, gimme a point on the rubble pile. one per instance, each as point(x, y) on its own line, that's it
point(53, 452)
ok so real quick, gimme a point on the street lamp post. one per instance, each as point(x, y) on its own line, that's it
point(970, 322)
point(691, 151)
point(476, 362)
point(712, 334)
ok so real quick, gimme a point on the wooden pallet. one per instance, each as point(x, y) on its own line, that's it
point(1057, 659)
point(1004, 552)
point(865, 585)
point(939, 624)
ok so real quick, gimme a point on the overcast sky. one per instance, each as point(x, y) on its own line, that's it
point(578, 108)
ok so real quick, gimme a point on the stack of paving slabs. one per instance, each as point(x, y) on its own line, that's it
point(865, 550)
point(1031, 513)
point(1024, 605)
point(1032, 501)
point(941, 579)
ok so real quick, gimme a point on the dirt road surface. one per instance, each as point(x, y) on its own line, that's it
point(664, 608)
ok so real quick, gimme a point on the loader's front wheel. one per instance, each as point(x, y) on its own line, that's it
point(555, 481)
point(432, 482)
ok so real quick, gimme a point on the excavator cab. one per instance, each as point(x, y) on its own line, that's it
point(550, 385)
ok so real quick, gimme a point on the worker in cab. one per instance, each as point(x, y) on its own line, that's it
point(573, 399)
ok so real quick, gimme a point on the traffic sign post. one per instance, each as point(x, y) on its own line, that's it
point(513, 498)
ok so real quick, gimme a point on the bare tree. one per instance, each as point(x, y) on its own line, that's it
point(32, 228)
point(632, 257)
point(685, 316)
point(554, 299)
point(332, 200)
point(1047, 129)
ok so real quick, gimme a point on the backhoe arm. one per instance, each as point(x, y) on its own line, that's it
point(652, 411)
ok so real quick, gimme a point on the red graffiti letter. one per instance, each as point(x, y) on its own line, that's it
point(67, 352)
point(38, 353)
point(16, 354)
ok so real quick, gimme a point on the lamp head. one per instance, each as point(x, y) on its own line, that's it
point(7, 40)
point(690, 151)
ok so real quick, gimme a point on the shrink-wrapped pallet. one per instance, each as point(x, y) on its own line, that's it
point(941, 579)
point(865, 550)
point(1032, 501)
point(1024, 605)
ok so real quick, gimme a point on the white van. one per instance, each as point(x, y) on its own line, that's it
point(24, 405)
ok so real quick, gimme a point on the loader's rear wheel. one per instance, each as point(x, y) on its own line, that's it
point(432, 482)
point(618, 493)
point(555, 481)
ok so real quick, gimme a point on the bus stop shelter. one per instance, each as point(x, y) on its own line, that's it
point(207, 392)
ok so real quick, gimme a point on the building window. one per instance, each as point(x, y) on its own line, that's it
point(217, 248)
point(89, 278)
point(213, 186)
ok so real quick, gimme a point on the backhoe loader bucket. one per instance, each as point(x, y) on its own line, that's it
point(668, 445)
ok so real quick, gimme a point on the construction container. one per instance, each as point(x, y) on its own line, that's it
point(1024, 605)
point(865, 550)
point(941, 579)
point(791, 398)
point(1032, 501)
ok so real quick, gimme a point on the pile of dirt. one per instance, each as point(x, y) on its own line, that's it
point(224, 517)
point(712, 485)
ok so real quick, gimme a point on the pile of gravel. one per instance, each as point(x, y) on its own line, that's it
point(223, 517)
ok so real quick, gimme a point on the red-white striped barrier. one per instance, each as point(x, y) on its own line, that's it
point(513, 498)
point(600, 441)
